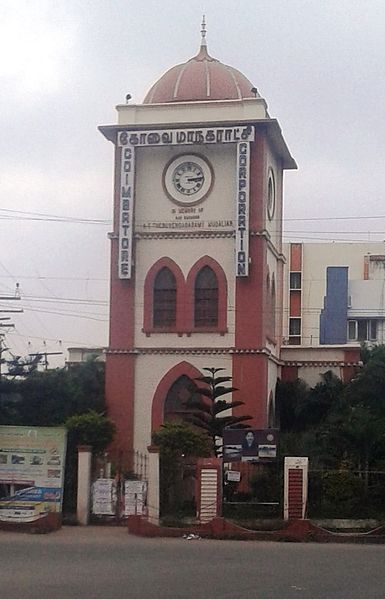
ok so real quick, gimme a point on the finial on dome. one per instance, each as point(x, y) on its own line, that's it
point(203, 32)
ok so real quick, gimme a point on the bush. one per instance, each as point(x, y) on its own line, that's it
point(336, 494)
point(92, 429)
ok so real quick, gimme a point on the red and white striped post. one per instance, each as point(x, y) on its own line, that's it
point(209, 488)
point(296, 484)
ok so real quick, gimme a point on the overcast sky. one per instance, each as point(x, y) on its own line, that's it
point(65, 64)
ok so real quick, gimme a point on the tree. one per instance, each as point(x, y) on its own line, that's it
point(48, 398)
point(207, 406)
point(301, 407)
point(179, 438)
point(92, 429)
point(291, 396)
point(364, 402)
point(18, 366)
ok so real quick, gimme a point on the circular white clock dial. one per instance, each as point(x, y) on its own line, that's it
point(188, 179)
point(271, 195)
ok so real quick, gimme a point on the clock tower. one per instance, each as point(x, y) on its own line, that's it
point(196, 248)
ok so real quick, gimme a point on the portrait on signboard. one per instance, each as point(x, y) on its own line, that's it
point(249, 444)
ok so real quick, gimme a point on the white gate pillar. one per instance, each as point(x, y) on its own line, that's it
point(153, 484)
point(84, 484)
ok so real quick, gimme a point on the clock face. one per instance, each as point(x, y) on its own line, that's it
point(188, 179)
point(271, 196)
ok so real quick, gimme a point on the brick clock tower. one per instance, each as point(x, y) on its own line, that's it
point(196, 247)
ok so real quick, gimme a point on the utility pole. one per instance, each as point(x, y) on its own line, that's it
point(46, 354)
point(2, 350)
point(8, 325)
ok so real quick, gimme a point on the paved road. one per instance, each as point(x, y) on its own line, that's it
point(104, 563)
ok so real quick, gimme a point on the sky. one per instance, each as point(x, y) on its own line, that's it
point(66, 64)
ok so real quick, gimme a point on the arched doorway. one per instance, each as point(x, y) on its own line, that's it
point(170, 393)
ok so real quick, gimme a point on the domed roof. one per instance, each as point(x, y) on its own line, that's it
point(200, 78)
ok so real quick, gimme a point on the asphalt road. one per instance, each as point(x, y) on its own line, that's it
point(99, 562)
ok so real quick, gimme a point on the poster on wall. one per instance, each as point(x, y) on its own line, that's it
point(32, 461)
point(104, 497)
point(135, 492)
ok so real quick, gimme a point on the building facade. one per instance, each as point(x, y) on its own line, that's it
point(197, 265)
point(334, 300)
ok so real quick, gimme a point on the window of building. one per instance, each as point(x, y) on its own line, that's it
point(362, 330)
point(295, 280)
point(179, 396)
point(206, 298)
point(164, 303)
point(295, 327)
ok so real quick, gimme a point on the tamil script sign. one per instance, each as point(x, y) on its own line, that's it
point(190, 136)
point(32, 463)
point(249, 445)
point(135, 492)
point(104, 497)
point(128, 141)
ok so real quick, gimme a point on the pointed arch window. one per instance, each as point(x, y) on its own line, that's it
point(164, 299)
point(206, 298)
point(176, 405)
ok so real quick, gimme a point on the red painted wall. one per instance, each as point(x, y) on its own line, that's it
point(250, 377)
point(296, 257)
point(120, 374)
point(252, 315)
point(295, 303)
point(250, 292)
point(120, 383)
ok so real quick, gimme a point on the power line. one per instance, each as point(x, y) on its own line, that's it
point(318, 218)
point(14, 214)
point(65, 300)
point(39, 278)
point(86, 315)
point(38, 216)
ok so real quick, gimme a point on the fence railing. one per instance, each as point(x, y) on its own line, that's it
point(346, 493)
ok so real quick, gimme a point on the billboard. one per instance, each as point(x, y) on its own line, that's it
point(32, 461)
point(249, 445)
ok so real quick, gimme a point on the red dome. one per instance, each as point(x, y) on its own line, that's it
point(200, 78)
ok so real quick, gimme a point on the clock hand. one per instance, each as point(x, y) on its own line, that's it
point(194, 179)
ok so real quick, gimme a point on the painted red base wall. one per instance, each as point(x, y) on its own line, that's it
point(120, 372)
point(250, 377)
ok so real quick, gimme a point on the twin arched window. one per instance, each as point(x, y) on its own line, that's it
point(173, 304)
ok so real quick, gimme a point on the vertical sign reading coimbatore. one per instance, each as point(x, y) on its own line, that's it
point(242, 217)
point(126, 208)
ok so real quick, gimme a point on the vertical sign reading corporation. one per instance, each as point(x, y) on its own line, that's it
point(242, 207)
point(126, 206)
